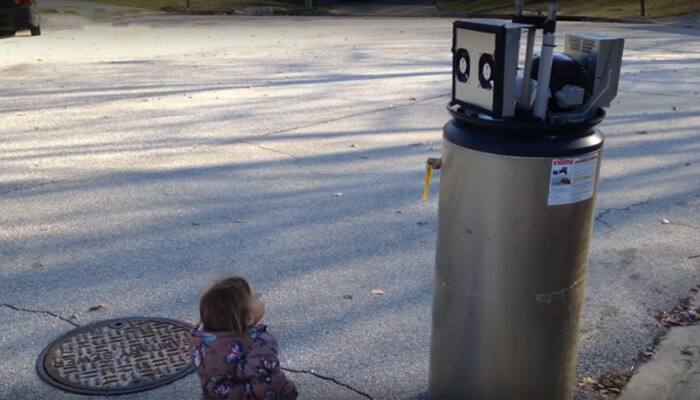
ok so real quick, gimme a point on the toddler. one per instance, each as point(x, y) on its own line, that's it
point(235, 356)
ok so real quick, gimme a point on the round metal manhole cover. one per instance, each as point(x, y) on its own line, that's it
point(118, 356)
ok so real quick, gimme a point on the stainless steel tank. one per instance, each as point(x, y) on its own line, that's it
point(513, 241)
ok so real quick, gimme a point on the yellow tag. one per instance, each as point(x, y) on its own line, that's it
point(428, 178)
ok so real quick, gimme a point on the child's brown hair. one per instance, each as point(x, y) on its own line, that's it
point(224, 307)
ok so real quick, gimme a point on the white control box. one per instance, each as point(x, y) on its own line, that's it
point(485, 65)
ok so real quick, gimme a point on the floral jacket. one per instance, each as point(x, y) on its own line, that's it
point(239, 367)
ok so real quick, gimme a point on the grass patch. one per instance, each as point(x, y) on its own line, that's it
point(203, 4)
point(591, 8)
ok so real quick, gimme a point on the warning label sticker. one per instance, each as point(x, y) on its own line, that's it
point(572, 179)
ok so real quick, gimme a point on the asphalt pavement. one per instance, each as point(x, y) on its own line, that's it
point(144, 157)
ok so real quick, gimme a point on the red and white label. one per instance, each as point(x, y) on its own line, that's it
point(572, 179)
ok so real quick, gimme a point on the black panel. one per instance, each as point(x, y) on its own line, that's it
point(498, 71)
point(476, 26)
point(523, 137)
point(523, 146)
point(454, 49)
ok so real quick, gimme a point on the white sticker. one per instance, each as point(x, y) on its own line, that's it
point(572, 179)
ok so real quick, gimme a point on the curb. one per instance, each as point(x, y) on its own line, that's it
point(275, 11)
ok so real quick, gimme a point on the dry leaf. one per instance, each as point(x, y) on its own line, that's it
point(378, 292)
point(590, 383)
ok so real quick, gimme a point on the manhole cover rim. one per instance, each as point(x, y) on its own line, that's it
point(44, 375)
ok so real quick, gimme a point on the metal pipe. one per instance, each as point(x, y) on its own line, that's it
point(519, 5)
point(545, 68)
point(527, 71)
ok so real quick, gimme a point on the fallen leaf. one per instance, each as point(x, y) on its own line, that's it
point(666, 319)
point(353, 146)
point(688, 350)
point(378, 292)
point(589, 382)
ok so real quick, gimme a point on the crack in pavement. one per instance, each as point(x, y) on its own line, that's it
point(28, 187)
point(53, 314)
point(605, 212)
point(357, 114)
point(283, 130)
point(328, 378)
point(326, 121)
point(685, 225)
point(270, 149)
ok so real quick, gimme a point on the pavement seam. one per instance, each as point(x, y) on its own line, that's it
point(53, 314)
point(270, 149)
point(28, 187)
point(294, 128)
point(329, 379)
point(685, 225)
point(353, 115)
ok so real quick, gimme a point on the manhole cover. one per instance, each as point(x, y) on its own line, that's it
point(117, 356)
